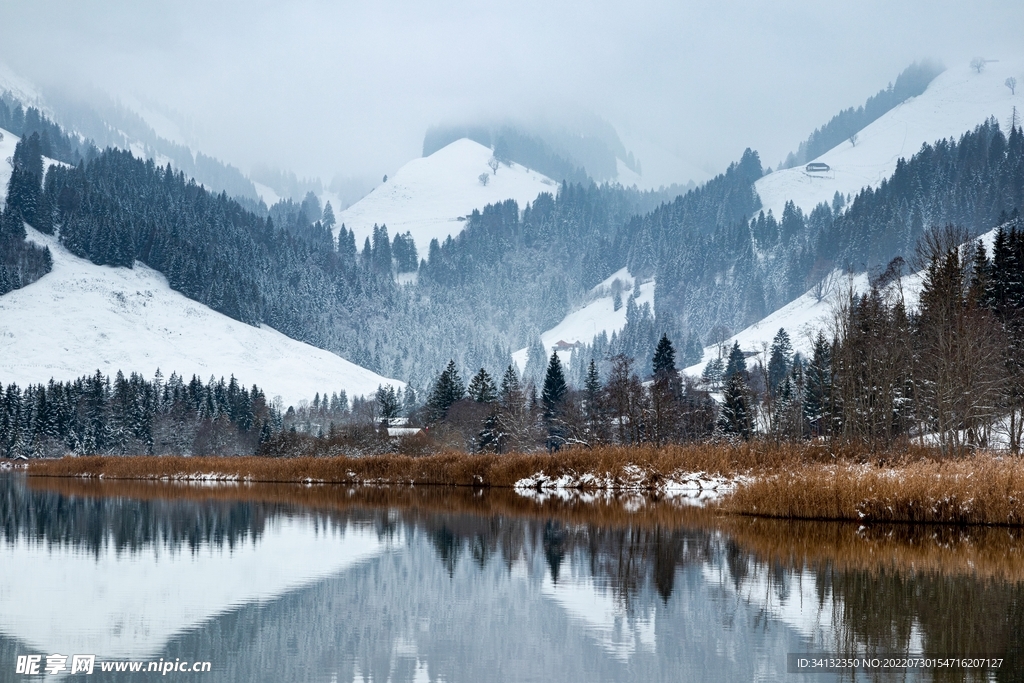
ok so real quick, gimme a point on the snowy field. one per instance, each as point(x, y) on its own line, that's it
point(82, 317)
point(427, 196)
point(597, 316)
point(955, 102)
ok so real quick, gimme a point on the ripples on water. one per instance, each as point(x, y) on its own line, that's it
point(288, 583)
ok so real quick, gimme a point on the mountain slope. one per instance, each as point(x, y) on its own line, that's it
point(814, 311)
point(82, 317)
point(428, 196)
point(956, 101)
point(597, 316)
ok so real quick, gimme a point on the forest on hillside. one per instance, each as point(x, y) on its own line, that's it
point(718, 261)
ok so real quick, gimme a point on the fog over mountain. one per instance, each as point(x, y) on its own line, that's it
point(328, 89)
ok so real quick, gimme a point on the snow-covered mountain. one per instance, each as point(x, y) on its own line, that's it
point(955, 102)
point(431, 196)
point(596, 316)
point(82, 317)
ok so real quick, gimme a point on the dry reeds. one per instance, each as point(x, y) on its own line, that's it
point(462, 469)
point(983, 489)
point(451, 468)
point(794, 481)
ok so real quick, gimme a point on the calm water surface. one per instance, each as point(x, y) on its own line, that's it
point(293, 584)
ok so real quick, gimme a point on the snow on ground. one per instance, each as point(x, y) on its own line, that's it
point(955, 102)
point(599, 315)
point(266, 193)
point(627, 177)
point(428, 196)
point(82, 317)
point(110, 590)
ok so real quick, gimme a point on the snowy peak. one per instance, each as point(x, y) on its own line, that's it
point(430, 197)
point(955, 102)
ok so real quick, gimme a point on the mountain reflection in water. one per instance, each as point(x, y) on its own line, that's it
point(293, 583)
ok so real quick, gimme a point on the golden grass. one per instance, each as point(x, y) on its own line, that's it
point(793, 481)
point(462, 469)
point(452, 468)
point(983, 489)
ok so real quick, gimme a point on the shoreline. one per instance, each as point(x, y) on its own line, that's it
point(757, 480)
point(981, 551)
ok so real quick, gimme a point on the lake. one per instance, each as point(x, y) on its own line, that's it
point(327, 583)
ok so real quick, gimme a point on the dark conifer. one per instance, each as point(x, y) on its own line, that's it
point(482, 388)
point(448, 389)
point(554, 386)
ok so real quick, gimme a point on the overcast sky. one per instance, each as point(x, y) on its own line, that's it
point(326, 88)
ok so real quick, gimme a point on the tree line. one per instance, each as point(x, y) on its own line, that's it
point(134, 416)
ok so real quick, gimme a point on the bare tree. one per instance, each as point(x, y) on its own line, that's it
point(853, 139)
point(493, 163)
point(825, 285)
point(978, 64)
point(484, 179)
point(1011, 83)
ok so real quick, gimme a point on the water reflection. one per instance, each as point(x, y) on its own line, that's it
point(281, 583)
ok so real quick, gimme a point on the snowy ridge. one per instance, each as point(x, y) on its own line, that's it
point(82, 317)
point(955, 102)
point(428, 196)
point(597, 316)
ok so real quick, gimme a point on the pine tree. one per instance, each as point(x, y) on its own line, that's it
point(737, 364)
point(665, 394)
point(779, 360)
point(817, 395)
point(664, 361)
point(593, 396)
point(510, 388)
point(552, 397)
point(387, 404)
point(713, 373)
point(448, 389)
point(734, 418)
point(482, 389)
point(327, 219)
point(554, 386)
